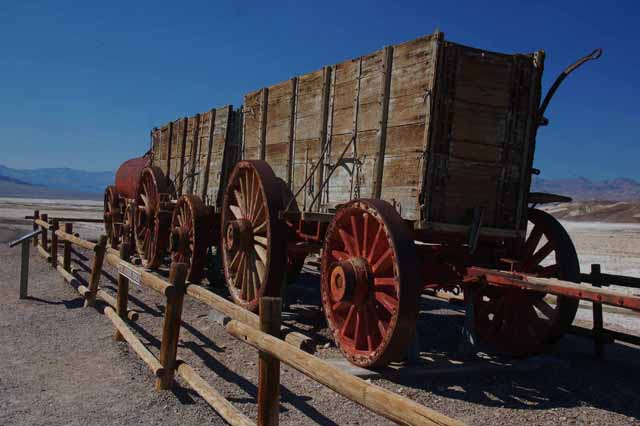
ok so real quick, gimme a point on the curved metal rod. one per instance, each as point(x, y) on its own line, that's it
point(545, 103)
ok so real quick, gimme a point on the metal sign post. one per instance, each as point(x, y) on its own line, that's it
point(24, 265)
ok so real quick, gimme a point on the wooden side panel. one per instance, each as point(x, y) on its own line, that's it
point(161, 146)
point(253, 110)
point(176, 157)
point(157, 153)
point(308, 135)
point(360, 108)
point(355, 117)
point(191, 154)
point(278, 129)
point(412, 82)
point(222, 151)
point(200, 177)
point(480, 153)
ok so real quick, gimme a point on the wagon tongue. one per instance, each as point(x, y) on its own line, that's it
point(571, 68)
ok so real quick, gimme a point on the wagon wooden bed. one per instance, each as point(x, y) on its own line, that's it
point(408, 169)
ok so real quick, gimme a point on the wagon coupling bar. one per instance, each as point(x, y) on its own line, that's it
point(313, 170)
point(571, 68)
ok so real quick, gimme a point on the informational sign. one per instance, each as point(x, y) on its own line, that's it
point(128, 272)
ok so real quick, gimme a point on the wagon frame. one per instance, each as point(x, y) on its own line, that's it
point(408, 169)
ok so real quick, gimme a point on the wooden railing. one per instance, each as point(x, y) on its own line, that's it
point(264, 332)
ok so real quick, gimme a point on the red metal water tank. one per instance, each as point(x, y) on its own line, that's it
point(128, 174)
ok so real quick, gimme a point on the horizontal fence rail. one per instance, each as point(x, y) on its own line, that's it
point(262, 332)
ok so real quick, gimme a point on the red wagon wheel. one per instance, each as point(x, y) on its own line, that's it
point(254, 240)
point(519, 322)
point(369, 284)
point(128, 223)
point(189, 235)
point(112, 216)
point(151, 222)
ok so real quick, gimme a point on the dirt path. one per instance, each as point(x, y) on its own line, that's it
point(62, 367)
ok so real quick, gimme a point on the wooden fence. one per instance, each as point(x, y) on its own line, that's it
point(264, 332)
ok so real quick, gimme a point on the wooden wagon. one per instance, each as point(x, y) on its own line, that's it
point(408, 169)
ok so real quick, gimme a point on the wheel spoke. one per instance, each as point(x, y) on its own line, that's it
point(365, 235)
point(241, 203)
point(260, 215)
point(347, 240)
point(532, 242)
point(261, 240)
point(386, 256)
point(340, 255)
point(388, 302)
point(237, 212)
point(374, 246)
point(546, 309)
point(354, 230)
point(540, 255)
point(261, 269)
point(234, 261)
point(262, 252)
point(261, 228)
point(346, 326)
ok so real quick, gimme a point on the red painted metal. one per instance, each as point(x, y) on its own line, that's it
point(128, 176)
point(477, 276)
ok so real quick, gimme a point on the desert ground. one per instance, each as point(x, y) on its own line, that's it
point(62, 367)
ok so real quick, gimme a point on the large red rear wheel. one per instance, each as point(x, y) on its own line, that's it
point(254, 252)
point(369, 284)
point(152, 218)
point(113, 216)
point(519, 322)
point(190, 237)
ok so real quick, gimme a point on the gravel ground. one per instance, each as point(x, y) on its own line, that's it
point(62, 366)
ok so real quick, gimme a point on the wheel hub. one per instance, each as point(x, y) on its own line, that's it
point(239, 235)
point(350, 281)
point(179, 239)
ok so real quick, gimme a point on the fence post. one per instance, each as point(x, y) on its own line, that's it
point(171, 325)
point(45, 243)
point(24, 269)
point(36, 215)
point(122, 296)
point(96, 270)
point(598, 329)
point(66, 253)
point(269, 366)
point(55, 225)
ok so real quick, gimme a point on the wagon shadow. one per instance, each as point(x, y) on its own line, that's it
point(568, 377)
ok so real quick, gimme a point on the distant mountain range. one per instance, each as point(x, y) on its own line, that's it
point(10, 187)
point(60, 178)
point(583, 189)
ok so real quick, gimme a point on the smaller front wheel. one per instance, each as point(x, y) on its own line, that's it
point(190, 225)
point(253, 239)
point(151, 220)
point(369, 283)
point(112, 216)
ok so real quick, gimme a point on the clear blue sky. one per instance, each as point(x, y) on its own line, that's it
point(82, 83)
